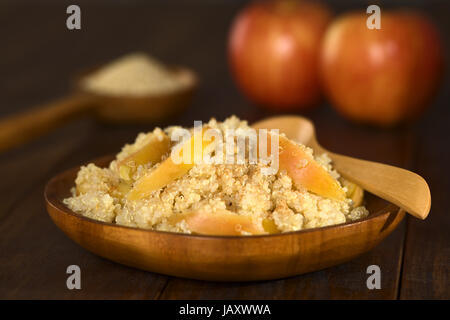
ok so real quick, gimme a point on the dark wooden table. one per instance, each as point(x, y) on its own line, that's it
point(39, 55)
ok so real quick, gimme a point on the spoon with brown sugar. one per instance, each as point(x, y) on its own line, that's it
point(133, 89)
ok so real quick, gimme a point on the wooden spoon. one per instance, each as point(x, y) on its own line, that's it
point(23, 127)
point(404, 188)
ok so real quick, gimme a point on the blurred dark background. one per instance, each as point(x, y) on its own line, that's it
point(38, 50)
point(39, 57)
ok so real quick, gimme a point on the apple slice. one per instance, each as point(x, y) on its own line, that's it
point(150, 152)
point(270, 226)
point(305, 171)
point(168, 170)
point(354, 192)
point(122, 188)
point(221, 222)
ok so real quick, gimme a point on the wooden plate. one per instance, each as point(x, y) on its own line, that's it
point(220, 258)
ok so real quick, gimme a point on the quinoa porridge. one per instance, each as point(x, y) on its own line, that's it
point(143, 188)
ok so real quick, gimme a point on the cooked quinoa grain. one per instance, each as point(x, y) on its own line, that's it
point(243, 189)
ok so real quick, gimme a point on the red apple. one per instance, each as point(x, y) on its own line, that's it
point(384, 76)
point(273, 52)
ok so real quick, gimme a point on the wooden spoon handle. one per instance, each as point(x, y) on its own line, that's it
point(25, 126)
point(404, 188)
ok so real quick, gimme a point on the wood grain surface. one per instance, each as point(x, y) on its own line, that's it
point(38, 58)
